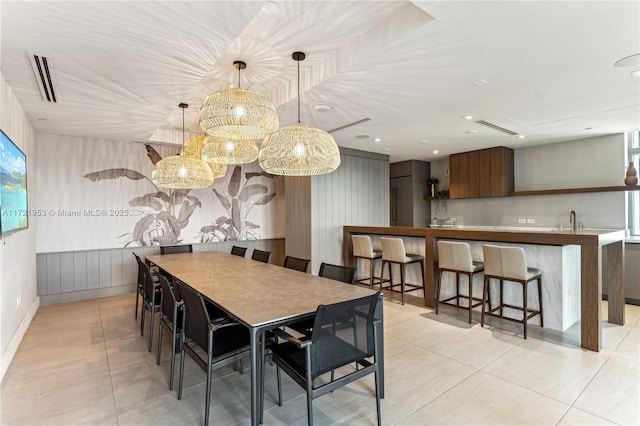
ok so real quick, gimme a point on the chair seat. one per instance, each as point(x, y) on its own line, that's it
point(409, 258)
point(531, 274)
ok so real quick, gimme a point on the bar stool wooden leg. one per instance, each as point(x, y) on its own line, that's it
point(470, 295)
point(501, 295)
point(438, 287)
point(371, 273)
point(403, 273)
point(485, 292)
point(540, 299)
point(457, 289)
point(524, 306)
point(424, 288)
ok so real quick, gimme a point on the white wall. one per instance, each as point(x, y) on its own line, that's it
point(581, 163)
point(17, 250)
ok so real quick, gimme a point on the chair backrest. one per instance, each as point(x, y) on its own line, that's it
point(507, 262)
point(455, 255)
point(183, 248)
point(393, 249)
point(149, 288)
point(140, 270)
point(296, 263)
point(238, 251)
point(362, 246)
point(196, 317)
point(338, 273)
point(169, 298)
point(342, 333)
point(260, 256)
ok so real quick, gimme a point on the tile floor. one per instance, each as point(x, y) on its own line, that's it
point(85, 363)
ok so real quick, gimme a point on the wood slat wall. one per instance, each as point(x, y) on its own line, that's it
point(70, 276)
point(355, 194)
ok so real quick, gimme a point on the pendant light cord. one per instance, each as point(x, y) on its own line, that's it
point(298, 92)
point(239, 77)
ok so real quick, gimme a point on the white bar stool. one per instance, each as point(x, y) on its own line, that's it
point(456, 257)
point(509, 264)
point(393, 252)
point(363, 249)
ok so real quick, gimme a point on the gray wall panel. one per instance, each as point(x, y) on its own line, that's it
point(53, 274)
point(79, 271)
point(41, 271)
point(117, 267)
point(93, 269)
point(66, 272)
point(105, 268)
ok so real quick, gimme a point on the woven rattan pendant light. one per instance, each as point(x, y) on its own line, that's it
point(182, 171)
point(193, 148)
point(299, 150)
point(233, 119)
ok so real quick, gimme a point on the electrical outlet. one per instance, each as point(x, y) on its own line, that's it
point(531, 221)
point(446, 172)
point(522, 220)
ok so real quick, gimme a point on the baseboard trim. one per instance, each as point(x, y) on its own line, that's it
point(8, 355)
point(75, 296)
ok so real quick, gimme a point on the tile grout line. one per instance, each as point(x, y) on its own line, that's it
point(106, 352)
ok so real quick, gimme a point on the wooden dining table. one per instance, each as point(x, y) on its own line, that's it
point(261, 297)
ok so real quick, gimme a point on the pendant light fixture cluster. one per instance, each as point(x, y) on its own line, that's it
point(233, 119)
point(183, 171)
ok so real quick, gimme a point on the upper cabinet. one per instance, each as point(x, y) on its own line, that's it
point(483, 173)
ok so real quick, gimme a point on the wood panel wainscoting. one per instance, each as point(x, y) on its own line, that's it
point(601, 258)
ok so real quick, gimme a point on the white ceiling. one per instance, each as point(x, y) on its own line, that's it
point(544, 69)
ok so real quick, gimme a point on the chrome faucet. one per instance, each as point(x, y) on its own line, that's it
point(572, 220)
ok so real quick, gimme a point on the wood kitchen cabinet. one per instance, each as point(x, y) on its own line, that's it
point(482, 173)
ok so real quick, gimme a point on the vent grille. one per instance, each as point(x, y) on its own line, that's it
point(498, 128)
point(349, 125)
point(43, 72)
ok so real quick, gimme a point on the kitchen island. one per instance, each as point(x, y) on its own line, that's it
point(601, 258)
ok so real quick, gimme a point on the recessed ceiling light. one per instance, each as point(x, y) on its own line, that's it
point(377, 140)
point(386, 149)
point(424, 141)
point(435, 151)
point(323, 107)
point(522, 136)
point(270, 8)
point(480, 82)
point(471, 131)
point(469, 117)
point(629, 61)
point(361, 136)
point(635, 73)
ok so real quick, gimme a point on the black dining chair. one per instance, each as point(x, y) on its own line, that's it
point(140, 282)
point(171, 319)
point(211, 343)
point(337, 273)
point(150, 301)
point(182, 248)
point(329, 348)
point(238, 251)
point(261, 256)
point(296, 263)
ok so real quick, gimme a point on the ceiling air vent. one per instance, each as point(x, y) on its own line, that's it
point(498, 128)
point(348, 125)
point(43, 71)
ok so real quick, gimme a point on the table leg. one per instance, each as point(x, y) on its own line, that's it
point(255, 349)
point(379, 336)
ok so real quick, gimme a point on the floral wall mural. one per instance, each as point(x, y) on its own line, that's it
point(96, 194)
